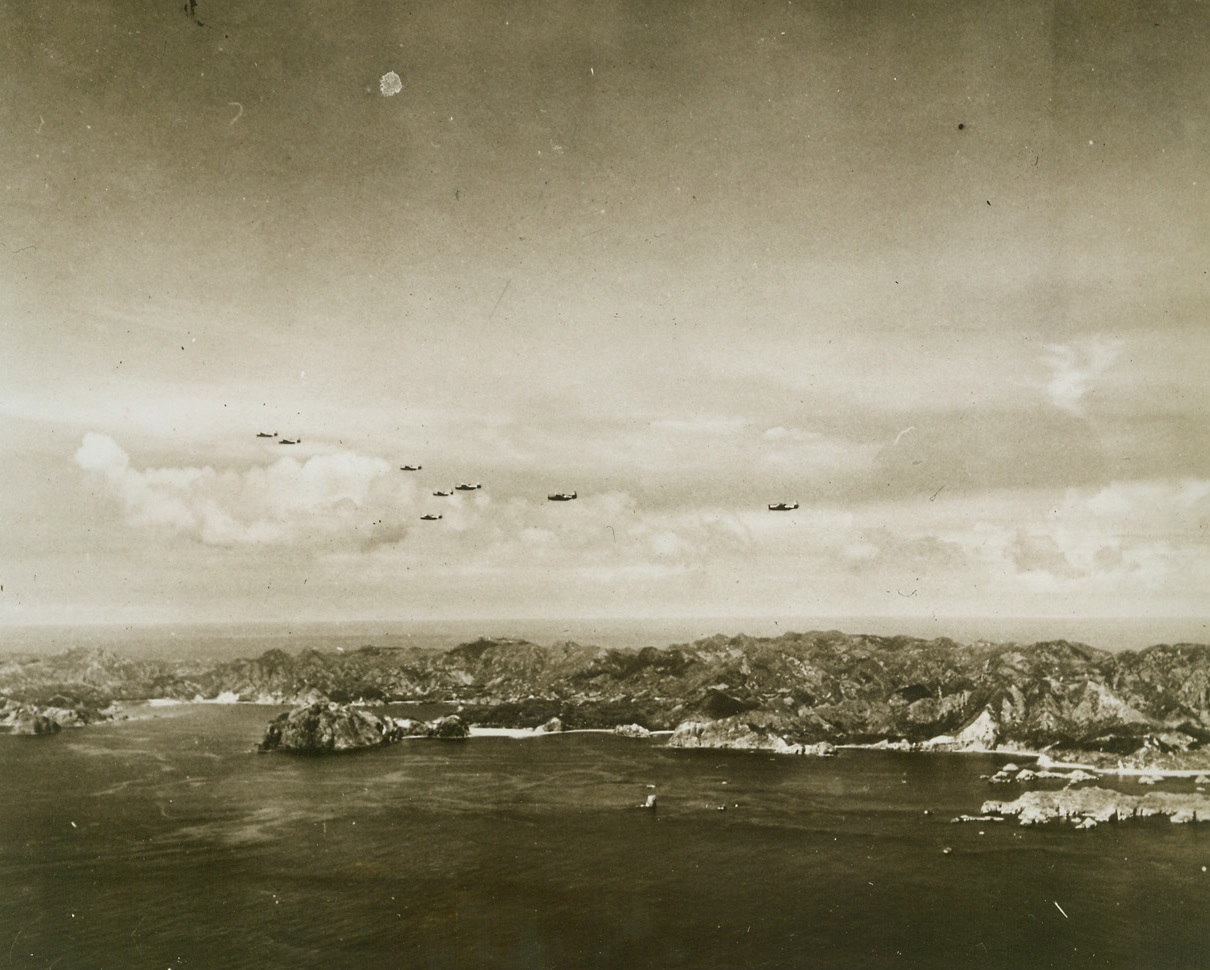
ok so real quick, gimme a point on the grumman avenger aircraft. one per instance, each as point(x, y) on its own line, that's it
point(262, 434)
point(430, 517)
point(467, 487)
point(289, 441)
point(783, 506)
point(561, 497)
point(441, 494)
point(410, 468)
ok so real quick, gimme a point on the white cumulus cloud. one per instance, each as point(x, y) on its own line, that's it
point(340, 499)
point(1076, 366)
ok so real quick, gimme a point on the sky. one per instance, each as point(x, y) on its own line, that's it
point(938, 273)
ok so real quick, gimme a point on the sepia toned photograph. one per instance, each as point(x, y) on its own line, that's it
point(605, 484)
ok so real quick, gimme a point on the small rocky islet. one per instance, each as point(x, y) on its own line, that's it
point(321, 726)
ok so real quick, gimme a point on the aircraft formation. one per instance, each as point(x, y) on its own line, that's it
point(476, 486)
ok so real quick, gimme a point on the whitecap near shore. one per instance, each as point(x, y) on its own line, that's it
point(498, 732)
point(494, 732)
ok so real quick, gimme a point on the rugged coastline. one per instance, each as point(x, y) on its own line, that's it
point(1147, 710)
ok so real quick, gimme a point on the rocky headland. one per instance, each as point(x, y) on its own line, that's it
point(321, 727)
point(1136, 709)
point(744, 733)
point(1090, 806)
point(30, 721)
point(33, 719)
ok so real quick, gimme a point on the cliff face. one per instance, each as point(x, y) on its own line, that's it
point(822, 686)
point(319, 727)
point(323, 727)
point(86, 678)
point(23, 719)
point(760, 732)
point(1170, 682)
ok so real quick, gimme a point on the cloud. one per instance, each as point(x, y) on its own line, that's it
point(355, 518)
point(609, 529)
point(1110, 544)
point(1038, 553)
point(100, 453)
point(1076, 366)
point(796, 435)
point(812, 454)
point(341, 499)
point(700, 425)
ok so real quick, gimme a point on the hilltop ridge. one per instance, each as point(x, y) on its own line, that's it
point(813, 687)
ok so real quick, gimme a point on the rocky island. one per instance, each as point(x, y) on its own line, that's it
point(1087, 807)
point(325, 726)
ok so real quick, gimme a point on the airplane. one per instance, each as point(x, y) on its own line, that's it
point(289, 441)
point(561, 497)
point(441, 494)
point(783, 507)
point(409, 468)
point(465, 487)
point(431, 517)
point(261, 434)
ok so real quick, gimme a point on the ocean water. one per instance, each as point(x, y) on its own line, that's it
point(231, 640)
point(166, 842)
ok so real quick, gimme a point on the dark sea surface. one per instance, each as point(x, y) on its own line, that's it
point(165, 842)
